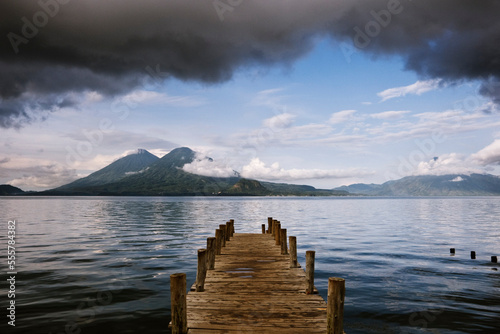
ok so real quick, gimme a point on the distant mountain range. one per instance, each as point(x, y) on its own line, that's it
point(432, 185)
point(8, 190)
point(144, 174)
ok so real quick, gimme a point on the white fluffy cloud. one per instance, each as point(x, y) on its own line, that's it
point(342, 116)
point(390, 115)
point(280, 121)
point(208, 167)
point(37, 174)
point(416, 88)
point(257, 169)
point(136, 97)
point(452, 163)
point(490, 155)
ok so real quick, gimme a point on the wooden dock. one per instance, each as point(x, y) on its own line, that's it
point(256, 286)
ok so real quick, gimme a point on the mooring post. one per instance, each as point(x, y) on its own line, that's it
point(310, 271)
point(178, 303)
point(293, 252)
point(201, 274)
point(211, 253)
point(275, 222)
point(232, 226)
point(452, 251)
point(473, 255)
point(277, 234)
point(228, 231)
point(223, 239)
point(218, 241)
point(284, 246)
point(269, 223)
point(263, 228)
point(335, 306)
point(494, 259)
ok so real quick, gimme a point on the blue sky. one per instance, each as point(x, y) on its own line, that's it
point(327, 118)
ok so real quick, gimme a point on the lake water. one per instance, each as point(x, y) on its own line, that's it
point(102, 264)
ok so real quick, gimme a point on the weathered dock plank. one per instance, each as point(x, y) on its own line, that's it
point(253, 290)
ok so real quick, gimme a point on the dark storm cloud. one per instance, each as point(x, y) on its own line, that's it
point(56, 47)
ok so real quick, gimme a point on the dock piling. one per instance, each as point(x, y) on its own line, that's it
point(201, 274)
point(293, 252)
point(284, 247)
point(178, 303)
point(228, 231)
point(335, 306)
point(310, 271)
point(223, 238)
point(211, 253)
point(277, 234)
point(218, 241)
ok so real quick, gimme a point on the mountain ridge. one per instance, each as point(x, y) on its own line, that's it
point(473, 184)
point(166, 177)
point(130, 164)
point(144, 174)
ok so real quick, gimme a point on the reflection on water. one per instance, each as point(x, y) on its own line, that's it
point(102, 265)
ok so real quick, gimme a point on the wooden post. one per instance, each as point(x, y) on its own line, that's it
point(494, 259)
point(284, 247)
point(218, 241)
point(263, 228)
point(277, 234)
point(310, 271)
point(473, 255)
point(274, 227)
point(293, 252)
point(211, 253)
point(232, 226)
point(269, 223)
point(228, 231)
point(335, 306)
point(223, 239)
point(202, 270)
point(452, 251)
point(178, 303)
